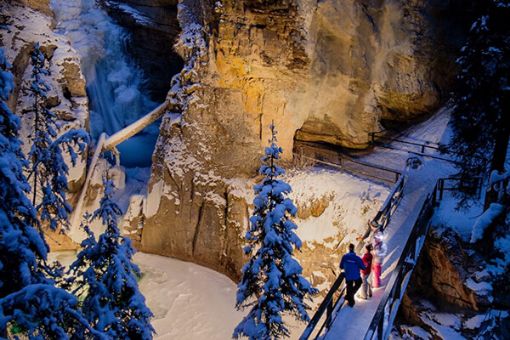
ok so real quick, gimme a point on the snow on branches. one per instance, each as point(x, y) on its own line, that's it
point(48, 168)
point(481, 117)
point(30, 304)
point(21, 245)
point(106, 278)
point(43, 311)
point(272, 281)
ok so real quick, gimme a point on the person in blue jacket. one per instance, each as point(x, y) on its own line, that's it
point(351, 265)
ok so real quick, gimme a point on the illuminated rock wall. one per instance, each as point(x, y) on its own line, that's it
point(327, 71)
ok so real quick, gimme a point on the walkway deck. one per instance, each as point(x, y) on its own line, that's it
point(353, 323)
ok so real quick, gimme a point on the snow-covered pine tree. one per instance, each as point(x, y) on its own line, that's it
point(30, 304)
point(106, 278)
point(481, 118)
point(48, 169)
point(21, 246)
point(272, 283)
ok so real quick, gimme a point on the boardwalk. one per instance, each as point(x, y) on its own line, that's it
point(353, 323)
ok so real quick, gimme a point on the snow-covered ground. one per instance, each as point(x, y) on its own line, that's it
point(333, 204)
point(188, 300)
point(191, 301)
point(434, 130)
point(449, 215)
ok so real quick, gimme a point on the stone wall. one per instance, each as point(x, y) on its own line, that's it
point(455, 286)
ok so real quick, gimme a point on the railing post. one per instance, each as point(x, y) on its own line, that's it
point(329, 310)
point(380, 329)
point(435, 200)
point(441, 188)
point(479, 183)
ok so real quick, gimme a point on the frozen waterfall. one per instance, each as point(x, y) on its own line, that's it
point(113, 80)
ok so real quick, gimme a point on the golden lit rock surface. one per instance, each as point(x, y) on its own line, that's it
point(327, 71)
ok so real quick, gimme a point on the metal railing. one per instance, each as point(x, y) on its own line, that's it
point(382, 322)
point(329, 305)
point(385, 142)
point(423, 147)
point(333, 300)
point(385, 315)
point(310, 153)
point(383, 216)
point(471, 186)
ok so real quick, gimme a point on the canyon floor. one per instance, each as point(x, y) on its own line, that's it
point(191, 301)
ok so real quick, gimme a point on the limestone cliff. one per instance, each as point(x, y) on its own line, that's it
point(23, 24)
point(328, 71)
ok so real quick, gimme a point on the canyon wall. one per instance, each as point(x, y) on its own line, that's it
point(457, 286)
point(24, 23)
point(327, 71)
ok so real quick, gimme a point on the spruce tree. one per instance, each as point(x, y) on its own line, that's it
point(21, 245)
point(272, 283)
point(48, 169)
point(481, 117)
point(106, 278)
point(30, 304)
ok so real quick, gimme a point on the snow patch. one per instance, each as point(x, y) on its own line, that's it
point(352, 203)
point(480, 288)
point(154, 198)
point(461, 220)
point(440, 330)
point(190, 301)
point(502, 244)
point(485, 220)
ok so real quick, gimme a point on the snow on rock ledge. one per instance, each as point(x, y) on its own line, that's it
point(485, 220)
point(333, 209)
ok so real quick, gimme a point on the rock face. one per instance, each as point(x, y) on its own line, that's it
point(328, 71)
point(442, 272)
point(26, 23)
point(331, 70)
point(42, 6)
point(456, 286)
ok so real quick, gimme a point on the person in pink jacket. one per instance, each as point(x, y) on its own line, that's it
point(366, 290)
point(379, 252)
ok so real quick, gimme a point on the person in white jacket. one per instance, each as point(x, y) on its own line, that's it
point(379, 252)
